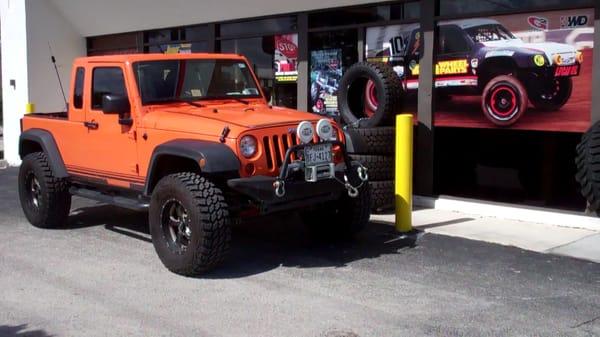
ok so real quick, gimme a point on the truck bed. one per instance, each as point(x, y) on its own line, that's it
point(53, 115)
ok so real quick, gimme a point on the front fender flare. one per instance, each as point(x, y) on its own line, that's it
point(217, 158)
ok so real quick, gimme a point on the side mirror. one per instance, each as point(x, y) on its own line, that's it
point(115, 104)
point(267, 93)
point(118, 104)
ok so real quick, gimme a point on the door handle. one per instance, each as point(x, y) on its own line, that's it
point(91, 125)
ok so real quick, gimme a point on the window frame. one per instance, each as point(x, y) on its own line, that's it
point(78, 71)
point(101, 67)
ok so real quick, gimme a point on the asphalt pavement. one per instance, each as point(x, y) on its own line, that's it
point(100, 276)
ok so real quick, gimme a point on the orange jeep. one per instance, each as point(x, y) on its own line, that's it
point(192, 139)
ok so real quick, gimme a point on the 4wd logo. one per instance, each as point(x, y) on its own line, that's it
point(573, 21)
point(453, 67)
point(538, 22)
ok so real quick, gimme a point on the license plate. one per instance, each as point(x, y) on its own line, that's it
point(567, 71)
point(317, 154)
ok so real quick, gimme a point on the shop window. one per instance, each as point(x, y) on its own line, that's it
point(196, 33)
point(178, 48)
point(258, 27)
point(412, 10)
point(112, 44)
point(406, 11)
point(163, 35)
point(458, 7)
point(348, 16)
point(331, 53)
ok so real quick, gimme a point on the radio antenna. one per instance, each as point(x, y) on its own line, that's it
point(62, 90)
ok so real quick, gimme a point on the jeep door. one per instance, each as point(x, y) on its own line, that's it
point(111, 146)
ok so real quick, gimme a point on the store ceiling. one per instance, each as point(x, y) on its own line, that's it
point(92, 17)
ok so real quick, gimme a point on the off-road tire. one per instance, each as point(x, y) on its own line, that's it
point(588, 167)
point(564, 87)
point(382, 195)
point(351, 94)
point(53, 197)
point(379, 167)
point(340, 219)
point(208, 220)
point(379, 140)
point(496, 90)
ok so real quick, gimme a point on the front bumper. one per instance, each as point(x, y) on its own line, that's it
point(298, 193)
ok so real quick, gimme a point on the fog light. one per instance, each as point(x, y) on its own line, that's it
point(324, 130)
point(305, 132)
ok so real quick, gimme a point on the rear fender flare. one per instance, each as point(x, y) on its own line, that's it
point(44, 139)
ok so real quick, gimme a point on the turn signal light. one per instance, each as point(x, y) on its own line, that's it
point(579, 57)
point(558, 60)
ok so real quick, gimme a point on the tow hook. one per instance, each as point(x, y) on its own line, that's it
point(363, 173)
point(352, 191)
point(279, 186)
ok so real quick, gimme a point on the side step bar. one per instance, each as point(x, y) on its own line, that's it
point(119, 201)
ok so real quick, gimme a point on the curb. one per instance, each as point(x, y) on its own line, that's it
point(510, 212)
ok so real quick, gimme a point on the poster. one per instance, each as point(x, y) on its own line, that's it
point(527, 71)
point(286, 58)
point(325, 75)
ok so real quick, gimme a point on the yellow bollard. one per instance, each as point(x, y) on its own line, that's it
point(29, 108)
point(404, 172)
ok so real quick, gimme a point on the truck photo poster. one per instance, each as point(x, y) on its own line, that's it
point(325, 75)
point(286, 58)
point(529, 71)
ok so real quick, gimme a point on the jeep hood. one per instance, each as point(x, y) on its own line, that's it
point(211, 120)
point(548, 48)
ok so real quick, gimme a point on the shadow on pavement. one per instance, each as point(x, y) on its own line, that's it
point(260, 245)
point(21, 331)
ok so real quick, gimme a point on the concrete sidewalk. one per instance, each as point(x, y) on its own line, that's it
point(544, 238)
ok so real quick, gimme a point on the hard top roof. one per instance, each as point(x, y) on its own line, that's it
point(124, 58)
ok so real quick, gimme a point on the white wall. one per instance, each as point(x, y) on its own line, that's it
point(94, 17)
point(26, 28)
point(46, 25)
point(14, 67)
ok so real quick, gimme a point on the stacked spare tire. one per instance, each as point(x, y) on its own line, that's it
point(588, 167)
point(369, 97)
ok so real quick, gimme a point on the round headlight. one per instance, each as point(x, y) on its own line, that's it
point(305, 132)
point(324, 129)
point(248, 146)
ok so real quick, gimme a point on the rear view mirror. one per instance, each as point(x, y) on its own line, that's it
point(115, 104)
point(267, 93)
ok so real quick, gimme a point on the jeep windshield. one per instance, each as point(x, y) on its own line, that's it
point(193, 80)
point(487, 33)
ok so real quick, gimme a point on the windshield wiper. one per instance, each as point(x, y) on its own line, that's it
point(190, 102)
point(237, 99)
point(177, 100)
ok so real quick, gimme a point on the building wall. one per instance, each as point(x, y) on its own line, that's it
point(27, 27)
point(46, 27)
point(92, 17)
point(14, 65)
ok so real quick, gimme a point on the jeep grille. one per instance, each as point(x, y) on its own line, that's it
point(275, 148)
